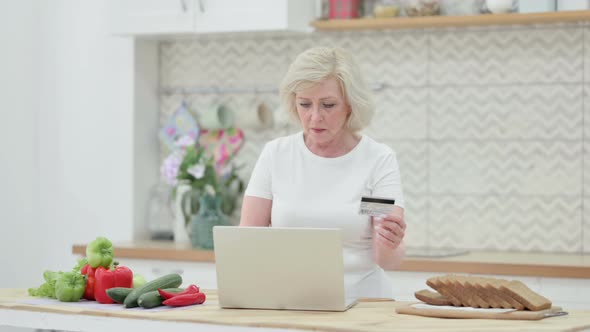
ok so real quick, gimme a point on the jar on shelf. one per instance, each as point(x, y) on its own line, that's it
point(343, 9)
point(387, 8)
point(323, 9)
point(366, 8)
point(499, 6)
point(421, 7)
point(460, 7)
point(160, 213)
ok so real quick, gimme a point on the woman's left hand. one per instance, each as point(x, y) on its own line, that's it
point(390, 230)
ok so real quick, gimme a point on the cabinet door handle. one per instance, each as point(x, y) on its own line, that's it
point(183, 6)
point(201, 6)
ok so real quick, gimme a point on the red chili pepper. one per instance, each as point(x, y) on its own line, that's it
point(89, 271)
point(186, 299)
point(120, 276)
point(192, 289)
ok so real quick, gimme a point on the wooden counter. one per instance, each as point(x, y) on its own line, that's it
point(364, 316)
point(499, 263)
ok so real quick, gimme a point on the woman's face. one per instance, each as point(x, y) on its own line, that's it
point(323, 111)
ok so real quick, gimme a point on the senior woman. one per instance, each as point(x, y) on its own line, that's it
point(316, 177)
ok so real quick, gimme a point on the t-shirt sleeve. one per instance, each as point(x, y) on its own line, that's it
point(261, 180)
point(388, 183)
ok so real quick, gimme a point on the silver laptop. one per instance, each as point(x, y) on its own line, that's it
point(280, 268)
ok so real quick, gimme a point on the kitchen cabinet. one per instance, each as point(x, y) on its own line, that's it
point(156, 17)
point(139, 17)
point(253, 15)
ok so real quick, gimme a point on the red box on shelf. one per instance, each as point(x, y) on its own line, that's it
point(344, 9)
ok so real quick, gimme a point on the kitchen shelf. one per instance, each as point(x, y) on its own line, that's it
point(450, 21)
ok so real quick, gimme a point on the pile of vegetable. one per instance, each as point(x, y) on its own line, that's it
point(97, 277)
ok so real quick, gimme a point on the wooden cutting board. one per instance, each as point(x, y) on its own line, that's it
point(409, 309)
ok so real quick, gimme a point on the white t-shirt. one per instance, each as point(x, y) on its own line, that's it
point(312, 191)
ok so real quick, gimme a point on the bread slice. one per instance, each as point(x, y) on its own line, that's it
point(530, 299)
point(442, 288)
point(492, 285)
point(496, 284)
point(472, 294)
point(489, 296)
point(482, 292)
point(458, 292)
point(432, 297)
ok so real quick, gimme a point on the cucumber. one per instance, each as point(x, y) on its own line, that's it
point(153, 299)
point(118, 294)
point(168, 281)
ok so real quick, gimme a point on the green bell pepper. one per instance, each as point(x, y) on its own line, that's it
point(100, 252)
point(70, 286)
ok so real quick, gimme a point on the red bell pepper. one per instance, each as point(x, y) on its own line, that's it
point(89, 271)
point(120, 276)
point(192, 289)
point(186, 299)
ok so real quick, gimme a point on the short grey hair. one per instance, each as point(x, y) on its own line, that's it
point(319, 63)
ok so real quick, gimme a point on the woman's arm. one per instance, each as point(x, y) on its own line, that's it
point(388, 235)
point(255, 211)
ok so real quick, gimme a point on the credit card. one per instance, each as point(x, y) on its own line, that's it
point(376, 206)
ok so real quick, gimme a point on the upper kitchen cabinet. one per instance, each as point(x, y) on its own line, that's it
point(155, 17)
point(253, 15)
point(148, 17)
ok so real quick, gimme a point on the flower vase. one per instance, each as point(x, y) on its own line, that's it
point(181, 235)
point(202, 223)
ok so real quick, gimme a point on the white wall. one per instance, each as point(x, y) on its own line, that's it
point(19, 171)
point(67, 138)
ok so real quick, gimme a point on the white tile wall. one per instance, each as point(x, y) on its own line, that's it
point(416, 217)
point(525, 223)
point(490, 125)
point(507, 112)
point(506, 168)
point(522, 55)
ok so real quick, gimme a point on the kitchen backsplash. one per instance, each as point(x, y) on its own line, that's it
point(490, 124)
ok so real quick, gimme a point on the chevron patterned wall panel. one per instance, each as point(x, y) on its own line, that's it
point(418, 234)
point(513, 112)
point(526, 223)
point(506, 168)
point(506, 56)
point(490, 125)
